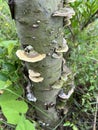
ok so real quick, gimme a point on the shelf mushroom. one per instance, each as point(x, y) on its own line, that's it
point(31, 56)
point(63, 48)
point(35, 76)
point(64, 96)
point(69, 1)
point(64, 12)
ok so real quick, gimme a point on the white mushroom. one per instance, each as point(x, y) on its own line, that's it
point(69, 1)
point(35, 76)
point(63, 48)
point(36, 79)
point(32, 56)
point(33, 73)
point(56, 55)
point(62, 95)
point(64, 12)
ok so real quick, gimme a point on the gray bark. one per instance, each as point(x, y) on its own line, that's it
point(45, 38)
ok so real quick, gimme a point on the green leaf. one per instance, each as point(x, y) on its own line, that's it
point(10, 48)
point(11, 93)
point(4, 85)
point(8, 66)
point(9, 45)
point(3, 77)
point(91, 88)
point(25, 124)
point(13, 109)
point(74, 127)
point(67, 123)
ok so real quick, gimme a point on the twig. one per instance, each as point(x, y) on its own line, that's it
point(5, 123)
point(73, 36)
point(92, 58)
point(89, 20)
point(60, 122)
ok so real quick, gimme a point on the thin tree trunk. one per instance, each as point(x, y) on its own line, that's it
point(37, 27)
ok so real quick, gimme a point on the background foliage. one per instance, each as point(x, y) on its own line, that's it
point(82, 37)
point(83, 60)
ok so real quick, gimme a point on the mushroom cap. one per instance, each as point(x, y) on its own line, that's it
point(62, 96)
point(56, 55)
point(64, 12)
point(64, 48)
point(31, 57)
point(36, 79)
point(69, 1)
point(33, 73)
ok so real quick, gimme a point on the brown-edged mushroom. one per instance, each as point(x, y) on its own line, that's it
point(63, 48)
point(69, 1)
point(33, 73)
point(32, 56)
point(35, 76)
point(36, 79)
point(64, 12)
point(62, 95)
point(56, 55)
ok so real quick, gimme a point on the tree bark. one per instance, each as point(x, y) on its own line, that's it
point(37, 27)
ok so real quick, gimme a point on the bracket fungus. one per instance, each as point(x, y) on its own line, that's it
point(61, 94)
point(64, 12)
point(32, 56)
point(64, 48)
point(35, 76)
point(56, 55)
point(64, 96)
point(69, 1)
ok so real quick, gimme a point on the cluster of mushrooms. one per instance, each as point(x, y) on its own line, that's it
point(30, 55)
point(67, 12)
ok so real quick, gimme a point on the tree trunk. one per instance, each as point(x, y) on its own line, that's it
point(36, 26)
